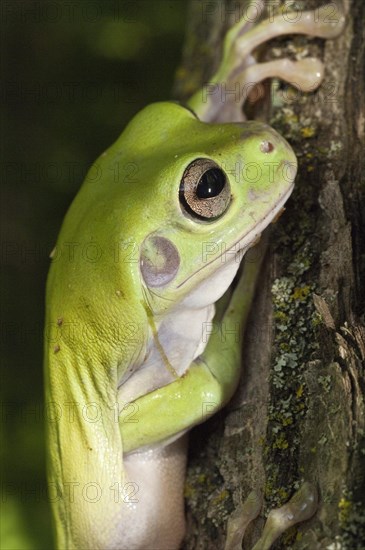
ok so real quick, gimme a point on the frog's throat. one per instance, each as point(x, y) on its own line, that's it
point(247, 240)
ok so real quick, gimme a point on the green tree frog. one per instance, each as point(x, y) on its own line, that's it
point(132, 358)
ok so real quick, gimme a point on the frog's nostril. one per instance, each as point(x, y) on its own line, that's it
point(266, 147)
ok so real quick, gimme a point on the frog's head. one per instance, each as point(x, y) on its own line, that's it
point(172, 206)
point(202, 195)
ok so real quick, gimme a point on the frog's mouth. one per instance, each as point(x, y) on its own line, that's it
point(246, 241)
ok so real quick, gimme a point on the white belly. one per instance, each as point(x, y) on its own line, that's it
point(156, 519)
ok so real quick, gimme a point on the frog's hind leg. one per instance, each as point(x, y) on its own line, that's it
point(241, 519)
point(301, 507)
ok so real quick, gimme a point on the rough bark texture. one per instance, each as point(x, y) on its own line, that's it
point(299, 411)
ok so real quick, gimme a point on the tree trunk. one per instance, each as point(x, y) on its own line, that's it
point(299, 411)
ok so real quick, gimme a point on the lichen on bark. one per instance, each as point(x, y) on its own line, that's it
point(298, 413)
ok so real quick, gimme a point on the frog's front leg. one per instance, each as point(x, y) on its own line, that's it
point(165, 414)
point(222, 98)
point(153, 436)
point(301, 507)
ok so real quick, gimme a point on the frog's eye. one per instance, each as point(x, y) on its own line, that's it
point(204, 190)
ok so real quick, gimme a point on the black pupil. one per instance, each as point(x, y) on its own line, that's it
point(210, 184)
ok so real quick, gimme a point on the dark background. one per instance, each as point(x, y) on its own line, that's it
point(73, 74)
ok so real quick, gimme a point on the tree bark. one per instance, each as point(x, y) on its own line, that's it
point(298, 413)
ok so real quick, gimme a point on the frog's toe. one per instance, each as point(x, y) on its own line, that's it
point(305, 74)
point(300, 507)
point(240, 519)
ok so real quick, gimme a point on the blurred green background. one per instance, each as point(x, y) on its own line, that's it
point(73, 74)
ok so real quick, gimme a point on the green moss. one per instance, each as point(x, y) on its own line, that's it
point(280, 443)
point(301, 293)
point(344, 510)
point(189, 491)
point(220, 497)
point(307, 131)
point(354, 530)
point(351, 517)
point(269, 487)
point(202, 478)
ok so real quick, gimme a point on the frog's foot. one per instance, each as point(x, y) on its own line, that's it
point(222, 98)
point(240, 519)
point(300, 507)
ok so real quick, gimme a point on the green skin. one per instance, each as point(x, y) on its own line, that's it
point(103, 317)
point(91, 305)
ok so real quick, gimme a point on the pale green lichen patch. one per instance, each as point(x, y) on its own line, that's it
point(325, 382)
point(296, 323)
point(293, 314)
